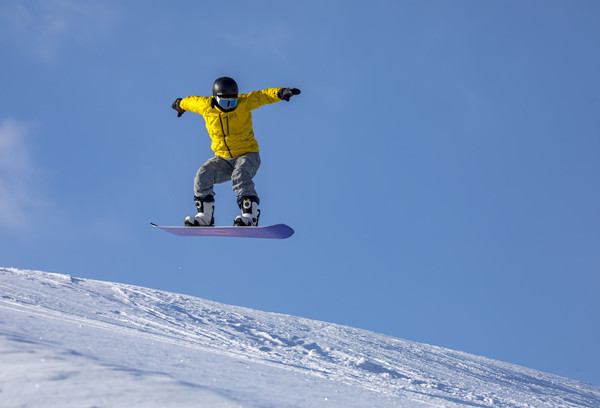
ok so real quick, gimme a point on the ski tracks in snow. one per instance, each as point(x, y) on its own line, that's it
point(358, 358)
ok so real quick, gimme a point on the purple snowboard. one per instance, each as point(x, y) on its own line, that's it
point(279, 231)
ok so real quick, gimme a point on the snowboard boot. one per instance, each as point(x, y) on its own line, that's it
point(250, 213)
point(204, 218)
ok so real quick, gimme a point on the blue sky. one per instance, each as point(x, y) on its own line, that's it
point(440, 167)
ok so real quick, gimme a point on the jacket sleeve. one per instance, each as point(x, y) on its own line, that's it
point(257, 99)
point(197, 104)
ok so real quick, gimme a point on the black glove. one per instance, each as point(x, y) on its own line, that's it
point(287, 93)
point(177, 107)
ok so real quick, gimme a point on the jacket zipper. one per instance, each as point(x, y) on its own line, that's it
point(225, 134)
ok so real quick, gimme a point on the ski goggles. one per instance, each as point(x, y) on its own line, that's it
point(227, 103)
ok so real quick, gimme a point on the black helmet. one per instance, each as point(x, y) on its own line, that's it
point(225, 87)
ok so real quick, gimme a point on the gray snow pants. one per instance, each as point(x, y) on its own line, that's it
point(240, 170)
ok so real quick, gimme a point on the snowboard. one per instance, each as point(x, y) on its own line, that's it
point(278, 231)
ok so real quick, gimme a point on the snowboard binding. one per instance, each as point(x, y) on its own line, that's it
point(205, 216)
point(250, 213)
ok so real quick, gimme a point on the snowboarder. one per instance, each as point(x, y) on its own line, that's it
point(229, 123)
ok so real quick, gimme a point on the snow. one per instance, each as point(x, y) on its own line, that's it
point(70, 342)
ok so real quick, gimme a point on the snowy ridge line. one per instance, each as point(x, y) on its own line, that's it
point(122, 292)
point(141, 330)
point(56, 315)
point(393, 369)
point(140, 322)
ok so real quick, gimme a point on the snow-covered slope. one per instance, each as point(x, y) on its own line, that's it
point(69, 342)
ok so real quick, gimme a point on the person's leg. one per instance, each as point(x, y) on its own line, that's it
point(246, 167)
point(215, 170)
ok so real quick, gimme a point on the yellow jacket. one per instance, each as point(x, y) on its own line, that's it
point(231, 132)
